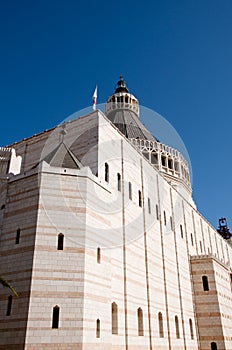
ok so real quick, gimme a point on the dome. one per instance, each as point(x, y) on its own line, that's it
point(122, 109)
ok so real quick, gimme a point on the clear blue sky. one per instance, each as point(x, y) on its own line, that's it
point(176, 57)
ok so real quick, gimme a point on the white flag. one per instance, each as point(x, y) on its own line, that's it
point(94, 98)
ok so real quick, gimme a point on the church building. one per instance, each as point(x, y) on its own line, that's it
point(101, 238)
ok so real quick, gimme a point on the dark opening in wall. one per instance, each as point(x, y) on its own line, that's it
point(60, 243)
point(140, 321)
point(9, 305)
point(106, 172)
point(205, 283)
point(17, 238)
point(161, 326)
point(119, 182)
point(114, 318)
point(98, 330)
point(140, 198)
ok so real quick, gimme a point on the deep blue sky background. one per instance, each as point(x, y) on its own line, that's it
point(176, 57)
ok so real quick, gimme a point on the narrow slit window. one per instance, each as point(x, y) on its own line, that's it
point(17, 238)
point(157, 212)
point(114, 318)
point(149, 205)
point(181, 231)
point(177, 327)
point(205, 283)
point(201, 246)
point(192, 239)
point(191, 328)
point(98, 255)
point(98, 330)
point(60, 244)
point(140, 321)
point(106, 172)
point(119, 182)
point(161, 326)
point(55, 317)
point(140, 198)
point(165, 221)
point(171, 224)
point(9, 305)
point(130, 190)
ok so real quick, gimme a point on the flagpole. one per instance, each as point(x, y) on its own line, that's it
point(94, 98)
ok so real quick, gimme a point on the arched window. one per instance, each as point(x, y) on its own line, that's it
point(140, 321)
point(17, 238)
point(205, 283)
point(119, 182)
point(106, 172)
point(149, 205)
point(130, 190)
point(181, 231)
point(161, 326)
point(140, 199)
point(114, 316)
point(165, 221)
point(177, 327)
point(157, 211)
point(60, 244)
point(163, 160)
point(191, 328)
point(98, 255)
point(55, 317)
point(9, 305)
point(98, 330)
point(213, 346)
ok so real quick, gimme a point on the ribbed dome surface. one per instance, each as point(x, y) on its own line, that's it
point(129, 124)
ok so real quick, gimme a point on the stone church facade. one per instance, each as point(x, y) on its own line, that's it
point(102, 240)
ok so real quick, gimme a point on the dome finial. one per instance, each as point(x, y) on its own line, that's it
point(121, 85)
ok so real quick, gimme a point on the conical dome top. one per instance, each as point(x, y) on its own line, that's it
point(122, 109)
point(121, 86)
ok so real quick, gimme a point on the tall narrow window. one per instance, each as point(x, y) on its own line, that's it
point(171, 224)
point(60, 244)
point(165, 221)
point(130, 190)
point(140, 321)
point(157, 211)
point(140, 199)
point(191, 328)
point(55, 317)
point(181, 231)
point(98, 330)
point(114, 318)
point(161, 326)
point(201, 246)
point(205, 283)
point(17, 238)
point(106, 172)
point(98, 255)
point(9, 305)
point(213, 346)
point(119, 182)
point(192, 239)
point(177, 327)
point(149, 205)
